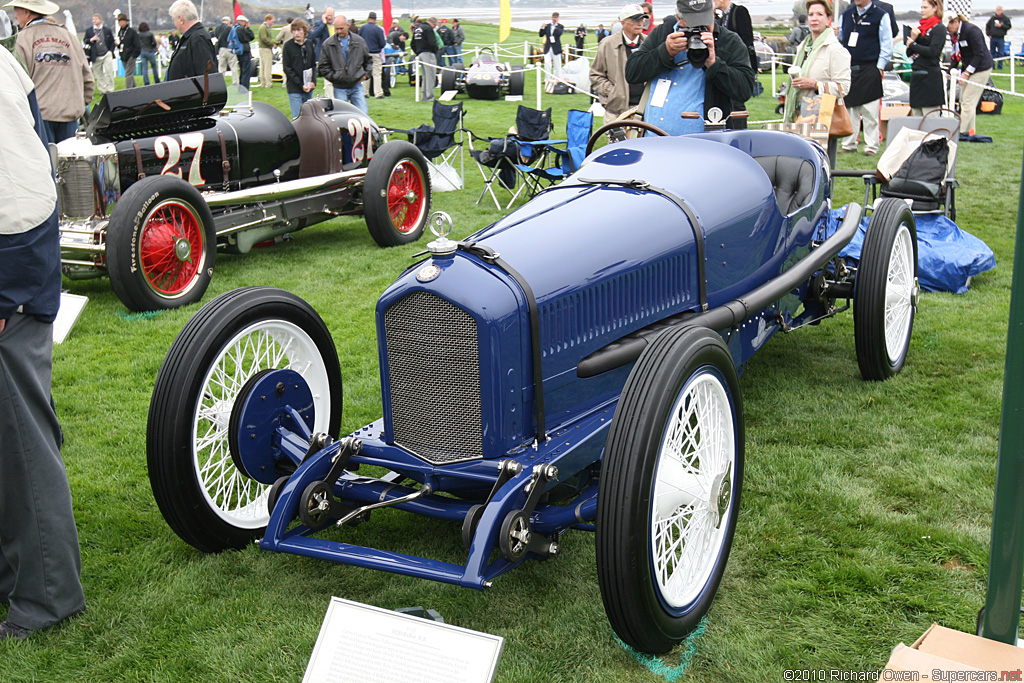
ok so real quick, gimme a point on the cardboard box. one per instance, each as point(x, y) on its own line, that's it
point(891, 110)
point(947, 650)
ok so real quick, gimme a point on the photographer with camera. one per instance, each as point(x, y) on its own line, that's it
point(691, 65)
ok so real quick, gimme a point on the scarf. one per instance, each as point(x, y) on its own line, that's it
point(926, 25)
point(805, 55)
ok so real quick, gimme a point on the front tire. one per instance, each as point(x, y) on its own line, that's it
point(396, 194)
point(202, 494)
point(886, 291)
point(161, 245)
point(517, 81)
point(670, 489)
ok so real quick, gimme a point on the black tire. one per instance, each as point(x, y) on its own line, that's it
point(396, 194)
point(683, 372)
point(203, 496)
point(392, 76)
point(885, 293)
point(161, 245)
point(448, 80)
point(517, 80)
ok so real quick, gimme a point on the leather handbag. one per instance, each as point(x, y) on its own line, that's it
point(841, 125)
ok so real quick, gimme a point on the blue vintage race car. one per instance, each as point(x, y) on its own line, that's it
point(572, 366)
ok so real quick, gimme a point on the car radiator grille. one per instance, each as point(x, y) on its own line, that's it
point(434, 376)
point(77, 190)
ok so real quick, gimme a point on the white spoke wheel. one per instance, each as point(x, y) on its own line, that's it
point(670, 489)
point(886, 291)
point(204, 497)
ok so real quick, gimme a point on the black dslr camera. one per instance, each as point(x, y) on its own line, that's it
point(696, 50)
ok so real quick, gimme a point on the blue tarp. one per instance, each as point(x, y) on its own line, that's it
point(946, 255)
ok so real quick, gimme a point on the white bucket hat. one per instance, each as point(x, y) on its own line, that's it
point(44, 7)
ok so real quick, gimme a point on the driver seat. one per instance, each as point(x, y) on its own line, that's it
point(320, 149)
point(793, 180)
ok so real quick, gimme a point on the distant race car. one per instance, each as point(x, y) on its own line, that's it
point(486, 78)
point(166, 174)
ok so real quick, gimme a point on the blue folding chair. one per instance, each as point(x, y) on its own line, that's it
point(559, 158)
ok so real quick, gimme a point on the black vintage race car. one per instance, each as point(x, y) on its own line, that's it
point(486, 78)
point(166, 174)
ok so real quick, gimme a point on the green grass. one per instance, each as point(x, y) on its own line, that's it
point(865, 515)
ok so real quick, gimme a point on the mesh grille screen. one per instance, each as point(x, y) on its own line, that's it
point(434, 373)
point(76, 189)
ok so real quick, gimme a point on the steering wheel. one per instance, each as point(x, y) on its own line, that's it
point(622, 123)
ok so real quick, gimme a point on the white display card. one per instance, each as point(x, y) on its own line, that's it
point(71, 306)
point(366, 644)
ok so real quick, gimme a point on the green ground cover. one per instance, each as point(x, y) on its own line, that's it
point(865, 515)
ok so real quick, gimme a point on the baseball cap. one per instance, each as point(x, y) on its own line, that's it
point(696, 12)
point(630, 11)
point(371, 15)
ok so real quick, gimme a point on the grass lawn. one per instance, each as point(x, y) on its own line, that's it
point(865, 516)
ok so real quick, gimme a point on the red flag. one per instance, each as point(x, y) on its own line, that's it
point(238, 9)
point(386, 25)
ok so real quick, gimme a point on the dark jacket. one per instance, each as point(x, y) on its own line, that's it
point(131, 47)
point(973, 50)
point(554, 40)
point(193, 54)
point(295, 59)
point(95, 50)
point(423, 39)
point(373, 36)
point(998, 32)
point(221, 34)
point(318, 35)
point(926, 85)
point(738, 21)
point(147, 41)
point(730, 79)
point(245, 36)
point(341, 72)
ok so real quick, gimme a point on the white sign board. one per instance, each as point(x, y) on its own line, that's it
point(71, 306)
point(365, 644)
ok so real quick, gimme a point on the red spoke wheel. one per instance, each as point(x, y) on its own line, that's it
point(396, 194)
point(160, 245)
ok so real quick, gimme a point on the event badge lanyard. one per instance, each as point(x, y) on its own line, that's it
point(857, 19)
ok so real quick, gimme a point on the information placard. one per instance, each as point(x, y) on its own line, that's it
point(366, 644)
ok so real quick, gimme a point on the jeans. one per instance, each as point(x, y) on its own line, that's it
point(244, 69)
point(59, 130)
point(148, 58)
point(295, 99)
point(450, 52)
point(353, 95)
point(998, 49)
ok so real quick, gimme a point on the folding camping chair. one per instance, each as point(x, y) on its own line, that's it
point(563, 160)
point(945, 201)
point(497, 163)
point(440, 146)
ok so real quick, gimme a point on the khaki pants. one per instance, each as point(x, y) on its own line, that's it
point(266, 63)
point(868, 113)
point(103, 71)
point(970, 94)
point(228, 61)
point(378, 86)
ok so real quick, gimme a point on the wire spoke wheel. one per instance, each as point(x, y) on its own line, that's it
point(204, 496)
point(886, 291)
point(669, 490)
point(171, 248)
point(396, 194)
point(406, 196)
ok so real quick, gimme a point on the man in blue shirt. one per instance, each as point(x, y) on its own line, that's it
point(865, 30)
point(689, 72)
point(375, 41)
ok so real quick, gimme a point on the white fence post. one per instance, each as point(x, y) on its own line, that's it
point(419, 81)
point(540, 85)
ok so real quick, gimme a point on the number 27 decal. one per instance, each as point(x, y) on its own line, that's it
point(169, 147)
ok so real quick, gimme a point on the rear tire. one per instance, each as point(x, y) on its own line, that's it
point(161, 245)
point(670, 489)
point(886, 291)
point(517, 80)
point(448, 80)
point(396, 194)
point(202, 494)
